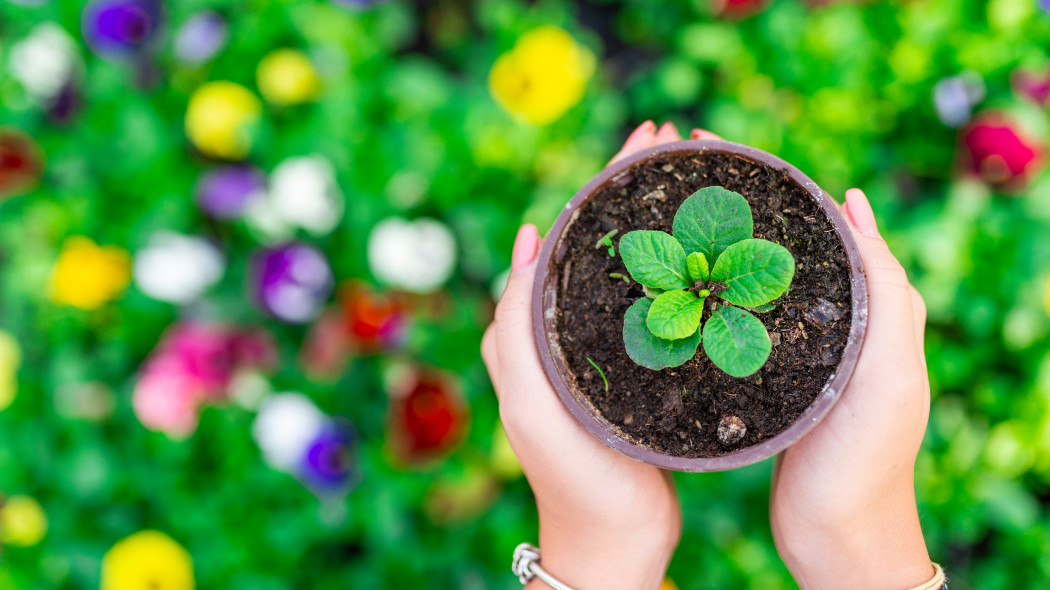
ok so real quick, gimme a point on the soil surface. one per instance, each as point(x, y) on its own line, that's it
point(677, 411)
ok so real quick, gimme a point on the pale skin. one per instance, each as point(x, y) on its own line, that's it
point(842, 504)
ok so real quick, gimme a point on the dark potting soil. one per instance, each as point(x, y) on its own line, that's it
point(677, 411)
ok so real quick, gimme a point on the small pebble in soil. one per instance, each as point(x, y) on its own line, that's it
point(731, 430)
point(823, 312)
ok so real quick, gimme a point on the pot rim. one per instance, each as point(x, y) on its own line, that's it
point(544, 305)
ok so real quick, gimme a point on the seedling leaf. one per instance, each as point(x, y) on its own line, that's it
point(753, 272)
point(675, 315)
point(736, 341)
point(696, 264)
point(654, 259)
point(711, 220)
point(649, 351)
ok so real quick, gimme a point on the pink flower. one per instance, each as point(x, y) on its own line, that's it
point(193, 364)
point(1035, 87)
point(996, 150)
point(168, 400)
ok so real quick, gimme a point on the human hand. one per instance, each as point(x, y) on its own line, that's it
point(842, 508)
point(606, 521)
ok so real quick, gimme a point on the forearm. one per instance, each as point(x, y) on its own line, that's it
point(878, 549)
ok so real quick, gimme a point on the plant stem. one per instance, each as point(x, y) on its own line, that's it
point(600, 372)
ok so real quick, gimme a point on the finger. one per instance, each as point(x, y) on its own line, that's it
point(516, 353)
point(703, 134)
point(644, 136)
point(489, 356)
point(888, 287)
point(667, 133)
point(918, 308)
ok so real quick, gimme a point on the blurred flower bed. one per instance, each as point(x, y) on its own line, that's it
point(247, 252)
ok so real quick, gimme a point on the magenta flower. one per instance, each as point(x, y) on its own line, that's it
point(194, 364)
point(1035, 87)
point(995, 149)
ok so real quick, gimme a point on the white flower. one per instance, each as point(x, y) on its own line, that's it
point(44, 60)
point(417, 256)
point(284, 428)
point(303, 194)
point(177, 268)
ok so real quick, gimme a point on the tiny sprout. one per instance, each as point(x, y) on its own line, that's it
point(615, 275)
point(711, 253)
point(606, 240)
point(600, 372)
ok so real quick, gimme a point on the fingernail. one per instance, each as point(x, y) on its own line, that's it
point(859, 212)
point(646, 127)
point(695, 134)
point(526, 246)
point(668, 126)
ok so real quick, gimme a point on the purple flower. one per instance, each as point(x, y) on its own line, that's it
point(201, 37)
point(357, 3)
point(226, 192)
point(117, 27)
point(291, 282)
point(330, 460)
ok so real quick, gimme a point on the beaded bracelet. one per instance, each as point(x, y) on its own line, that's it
point(527, 566)
point(938, 582)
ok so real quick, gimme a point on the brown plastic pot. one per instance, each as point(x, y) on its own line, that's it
point(545, 294)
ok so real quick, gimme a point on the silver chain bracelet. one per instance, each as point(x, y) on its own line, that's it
point(527, 566)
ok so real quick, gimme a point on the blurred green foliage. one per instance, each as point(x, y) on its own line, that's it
point(842, 91)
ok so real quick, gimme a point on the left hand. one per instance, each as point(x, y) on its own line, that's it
point(606, 521)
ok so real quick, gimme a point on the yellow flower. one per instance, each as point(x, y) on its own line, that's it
point(10, 360)
point(147, 560)
point(286, 76)
point(218, 119)
point(22, 522)
point(87, 275)
point(668, 584)
point(543, 76)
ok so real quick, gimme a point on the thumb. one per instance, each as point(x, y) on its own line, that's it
point(513, 314)
point(888, 286)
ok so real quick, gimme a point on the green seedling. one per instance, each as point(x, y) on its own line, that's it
point(606, 240)
point(712, 253)
point(600, 372)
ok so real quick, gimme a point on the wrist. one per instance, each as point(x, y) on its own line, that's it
point(589, 556)
point(876, 548)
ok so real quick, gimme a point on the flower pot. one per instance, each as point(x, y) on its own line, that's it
point(671, 418)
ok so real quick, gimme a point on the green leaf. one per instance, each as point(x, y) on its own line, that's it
point(696, 264)
point(648, 350)
point(736, 341)
point(754, 272)
point(652, 293)
point(711, 220)
point(654, 259)
point(675, 314)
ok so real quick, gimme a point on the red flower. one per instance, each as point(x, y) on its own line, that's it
point(374, 321)
point(21, 162)
point(996, 150)
point(427, 417)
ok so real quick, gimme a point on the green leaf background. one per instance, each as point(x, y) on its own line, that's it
point(842, 91)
